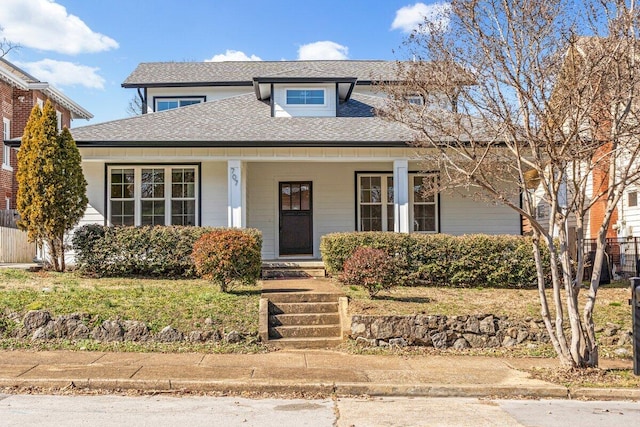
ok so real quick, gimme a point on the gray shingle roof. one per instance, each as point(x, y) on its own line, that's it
point(244, 121)
point(184, 73)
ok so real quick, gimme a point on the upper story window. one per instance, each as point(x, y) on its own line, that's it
point(59, 120)
point(305, 96)
point(633, 198)
point(415, 100)
point(6, 150)
point(163, 104)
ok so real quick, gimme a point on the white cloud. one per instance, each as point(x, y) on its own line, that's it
point(46, 25)
point(62, 73)
point(233, 55)
point(323, 50)
point(409, 18)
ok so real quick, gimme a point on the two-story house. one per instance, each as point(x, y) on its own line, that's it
point(19, 92)
point(292, 148)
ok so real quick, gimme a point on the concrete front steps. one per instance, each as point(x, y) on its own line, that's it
point(303, 319)
point(292, 269)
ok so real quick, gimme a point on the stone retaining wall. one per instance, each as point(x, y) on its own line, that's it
point(458, 332)
point(39, 325)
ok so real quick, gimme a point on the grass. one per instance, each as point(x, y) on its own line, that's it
point(182, 304)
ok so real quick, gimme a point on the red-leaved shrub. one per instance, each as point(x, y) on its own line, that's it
point(229, 256)
point(371, 268)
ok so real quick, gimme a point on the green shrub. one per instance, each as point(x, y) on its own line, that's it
point(136, 251)
point(229, 256)
point(443, 260)
point(371, 268)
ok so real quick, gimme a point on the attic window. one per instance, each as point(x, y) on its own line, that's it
point(305, 96)
point(163, 103)
point(415, 100)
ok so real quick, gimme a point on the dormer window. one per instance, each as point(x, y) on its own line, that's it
point(305, 96)
point(415, 100)
point(163, 103)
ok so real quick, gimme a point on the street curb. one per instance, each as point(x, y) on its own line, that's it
point(605, 393)
point(340, 389)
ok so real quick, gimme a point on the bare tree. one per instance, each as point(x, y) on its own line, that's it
point(522, 108)
point(6, 45)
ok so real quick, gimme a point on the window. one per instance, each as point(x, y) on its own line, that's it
point(153, 195)
point(424, 203)
point(163, 104)
point(632, 198)
point(415, 100)
point(6, 150)
point(40, 103)
point(305, 96)
point(59, 120)
point(376, 203)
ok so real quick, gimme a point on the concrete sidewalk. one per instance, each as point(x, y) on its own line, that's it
point(309, 372)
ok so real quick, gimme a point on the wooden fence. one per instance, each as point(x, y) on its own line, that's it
point(9, 218)
point(14, 246)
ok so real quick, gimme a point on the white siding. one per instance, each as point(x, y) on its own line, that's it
point(211, 93)
point(465, 215)
point(213, 195)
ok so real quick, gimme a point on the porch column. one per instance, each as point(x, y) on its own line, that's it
point(236, 209)
point(401, 196)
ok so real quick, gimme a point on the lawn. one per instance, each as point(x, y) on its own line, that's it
point(186, 305)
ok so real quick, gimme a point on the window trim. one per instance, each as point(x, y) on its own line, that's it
point(321, 89)
point(137, 167)
point(201, 98)
point(6, 150)
point(384, 175)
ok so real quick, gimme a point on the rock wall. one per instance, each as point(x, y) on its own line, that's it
point(460, 332)
point(442, 332)
point(39, 325)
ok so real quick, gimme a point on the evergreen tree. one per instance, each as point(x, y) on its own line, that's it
point(51, 186)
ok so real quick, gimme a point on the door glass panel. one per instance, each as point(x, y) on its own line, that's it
point(295, 197)
point(305, 196)
point(285, 197)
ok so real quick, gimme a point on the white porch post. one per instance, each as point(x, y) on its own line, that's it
point(401, 196)
point(236, 209)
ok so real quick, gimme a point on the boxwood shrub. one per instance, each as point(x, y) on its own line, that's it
point(502, 261)
point(161, 251)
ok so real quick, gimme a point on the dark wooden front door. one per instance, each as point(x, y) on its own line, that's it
point(296, 218)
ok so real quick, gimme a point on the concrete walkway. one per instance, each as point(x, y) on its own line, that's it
point(308, 372)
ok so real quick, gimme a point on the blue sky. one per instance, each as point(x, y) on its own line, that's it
point(87, 48)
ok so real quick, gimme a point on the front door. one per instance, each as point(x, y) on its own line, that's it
point(296, 218)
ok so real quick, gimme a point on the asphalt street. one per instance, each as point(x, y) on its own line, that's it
point(113, 410)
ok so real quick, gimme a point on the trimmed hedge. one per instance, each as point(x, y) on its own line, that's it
point(105, 251)
point(502, 261)
point(374, 269)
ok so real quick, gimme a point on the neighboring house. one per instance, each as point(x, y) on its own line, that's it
point(293, 149)
point(19, 92)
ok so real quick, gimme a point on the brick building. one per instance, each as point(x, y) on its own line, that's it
point(19, 92)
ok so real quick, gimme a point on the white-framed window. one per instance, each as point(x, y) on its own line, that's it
point(632, 198)
point(415, 99)
point(153, 195)
point(7, 203)
point(376, 202)
point(6, 150)
point(59, 120)
point(40, 103)
point(424, 203)
point(166, 103)
point(305, 97)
